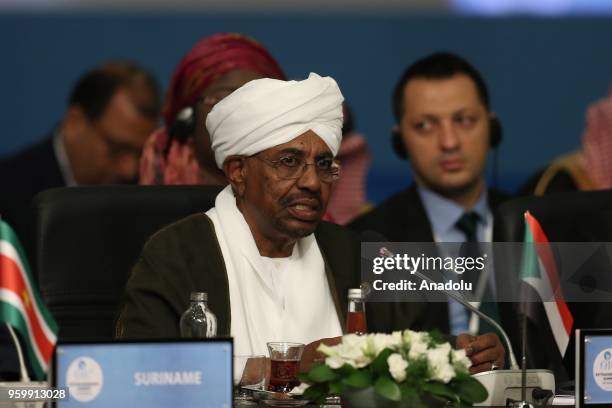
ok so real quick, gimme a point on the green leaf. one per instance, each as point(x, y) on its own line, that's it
point(409, 393)
point(316, 392)
point(336, 387)
point(440, 398)
point(441, 390)
point(345, 370)
point(380, 365)
point(416, 373)
point(461, 376)
point(304, 377)
point(358, 379)
point(387, 388)
point(471, 390)
point(436, 338)
point(321, 374)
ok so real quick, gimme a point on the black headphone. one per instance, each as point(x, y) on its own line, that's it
point(183, 125)
point(495, 138)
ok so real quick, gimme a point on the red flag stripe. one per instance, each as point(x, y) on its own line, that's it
point(550, 267)
point(8, 249)
point(12, 279)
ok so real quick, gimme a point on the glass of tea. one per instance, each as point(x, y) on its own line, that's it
point(284, 365)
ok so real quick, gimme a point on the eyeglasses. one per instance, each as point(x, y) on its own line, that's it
point(292, 168)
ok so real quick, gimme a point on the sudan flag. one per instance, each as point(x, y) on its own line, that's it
point(21, 306)
point(543, 302)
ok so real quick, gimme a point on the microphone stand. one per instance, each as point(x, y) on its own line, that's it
point(524, 361)
point(523, 402)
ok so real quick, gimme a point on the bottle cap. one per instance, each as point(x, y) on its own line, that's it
point(198, 297)
point(355, 294)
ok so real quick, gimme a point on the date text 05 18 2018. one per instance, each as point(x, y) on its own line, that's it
point(24, 393)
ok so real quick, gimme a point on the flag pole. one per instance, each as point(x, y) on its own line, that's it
point(524, 360)
point(22, 367)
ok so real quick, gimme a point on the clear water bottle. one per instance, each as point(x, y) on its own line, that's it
point(198, 321)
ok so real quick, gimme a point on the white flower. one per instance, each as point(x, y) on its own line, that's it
point(351, 351)
point(327, 350)
point(397, 367)
point(417, 343)
point(413, 336)
point(299, 389)
point(354, 341)
point(377, 342)
point(334, 362)
point(396, 339)
point(461, 362)
point(440, 366)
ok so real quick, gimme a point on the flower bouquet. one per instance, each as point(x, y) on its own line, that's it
point(399, 369)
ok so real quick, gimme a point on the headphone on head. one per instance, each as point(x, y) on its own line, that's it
point(495, 138)
point(183, 125)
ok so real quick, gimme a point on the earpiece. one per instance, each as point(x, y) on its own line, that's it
point(495, 138)
point(496, 132)
point(398, 145)
point(183, 125)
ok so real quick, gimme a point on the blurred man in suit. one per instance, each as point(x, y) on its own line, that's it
point(111, 111)
point(445, 128)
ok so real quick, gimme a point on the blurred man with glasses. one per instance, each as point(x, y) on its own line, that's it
point(111, 111)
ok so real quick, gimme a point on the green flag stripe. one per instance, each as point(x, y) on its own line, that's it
point(14, 317)
point(530, 266)
point(8, 297)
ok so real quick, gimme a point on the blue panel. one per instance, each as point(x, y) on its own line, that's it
point(184, 374)
point(598, 370)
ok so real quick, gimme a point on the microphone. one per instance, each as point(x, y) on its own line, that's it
point(503, 386)
point(513, 364)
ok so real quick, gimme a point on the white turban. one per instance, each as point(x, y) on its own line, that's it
point(268, 112)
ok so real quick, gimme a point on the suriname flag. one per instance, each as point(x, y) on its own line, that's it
point(21, 305)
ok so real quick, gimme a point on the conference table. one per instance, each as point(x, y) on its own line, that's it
point(337, 403)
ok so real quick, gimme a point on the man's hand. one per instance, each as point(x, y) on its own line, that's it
point(486, 351)
point(311, 357)
point(254, 368)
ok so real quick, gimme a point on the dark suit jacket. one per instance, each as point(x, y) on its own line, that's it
point(402, 218)
point(22, 176)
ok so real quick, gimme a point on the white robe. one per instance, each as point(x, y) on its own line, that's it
point(296, 307)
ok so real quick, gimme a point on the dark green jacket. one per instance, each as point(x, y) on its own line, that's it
point(185, 257)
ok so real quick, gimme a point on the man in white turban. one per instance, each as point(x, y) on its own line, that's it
point(272, 269)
